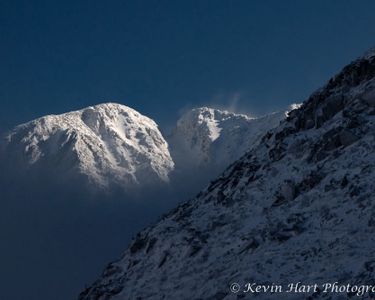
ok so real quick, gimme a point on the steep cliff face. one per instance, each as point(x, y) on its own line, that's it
point(297, 207)
point(104, 145)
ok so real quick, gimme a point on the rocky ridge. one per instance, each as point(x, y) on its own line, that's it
point(296, 208)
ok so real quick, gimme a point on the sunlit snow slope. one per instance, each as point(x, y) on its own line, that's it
point(105, 145)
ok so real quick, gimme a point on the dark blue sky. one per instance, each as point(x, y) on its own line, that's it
point(161, 57)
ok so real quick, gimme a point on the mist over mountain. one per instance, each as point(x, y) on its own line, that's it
point(297, 207)
point(76, 187)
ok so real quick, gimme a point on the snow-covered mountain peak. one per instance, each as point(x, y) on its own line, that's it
point(208, 137)
point(208, 121)
point(107, 144)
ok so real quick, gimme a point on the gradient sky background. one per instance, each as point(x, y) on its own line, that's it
point(161, 57)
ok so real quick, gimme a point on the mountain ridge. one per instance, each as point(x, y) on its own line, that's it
point(296, 208)
point(110, 145)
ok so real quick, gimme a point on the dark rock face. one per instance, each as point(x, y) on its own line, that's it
point(333, 98)
point(297, 207)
